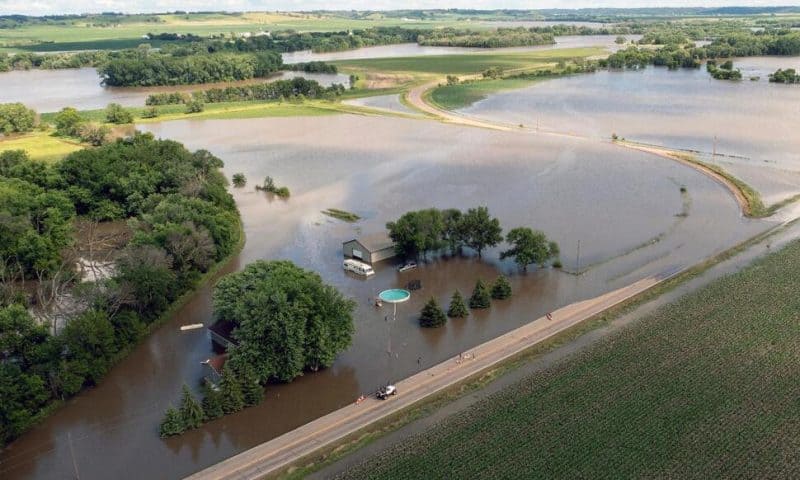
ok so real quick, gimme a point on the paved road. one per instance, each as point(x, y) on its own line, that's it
point(283, 451)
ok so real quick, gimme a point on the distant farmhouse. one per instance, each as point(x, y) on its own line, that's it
point(370, 249)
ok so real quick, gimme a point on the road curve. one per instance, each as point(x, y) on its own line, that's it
point(281, 452)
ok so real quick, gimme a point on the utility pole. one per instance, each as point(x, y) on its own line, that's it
point(72, 454)
point(578, 258)
point(715, 146)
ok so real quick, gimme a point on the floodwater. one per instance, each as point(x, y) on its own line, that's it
point(754, 124)
point(416, 50)
point(52, 90)
point(624, 207)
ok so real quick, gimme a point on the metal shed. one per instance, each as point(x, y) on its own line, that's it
point(371, 248)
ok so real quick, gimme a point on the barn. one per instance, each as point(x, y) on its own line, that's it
point(370, 249)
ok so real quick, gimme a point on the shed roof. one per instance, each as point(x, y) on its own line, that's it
point(375, 242)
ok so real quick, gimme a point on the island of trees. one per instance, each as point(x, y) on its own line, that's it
point(176, 220)
point(287, 322)
point(784, 76)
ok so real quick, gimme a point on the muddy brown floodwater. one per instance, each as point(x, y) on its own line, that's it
point(624, 207)
point(752, 125)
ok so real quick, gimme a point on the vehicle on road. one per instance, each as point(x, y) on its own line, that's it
point(384, 392)
point(407, 266)
point(359, 268)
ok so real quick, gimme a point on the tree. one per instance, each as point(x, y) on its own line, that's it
point(239, 180)
point(230, 390)
point(417, 232)
point(457, 309)
point(68, 122)
point(89, 343)
point(116, 113)
point(172, 424)
point(480, 296)
point(191, 412)
point(16, 118)
point(432, 315)
point(481, 230)
point(146, 271)
point(252, 390)
point(453, 229)
point(501, 289)
point(212, 402)
point(287, 319)
point(528, 247)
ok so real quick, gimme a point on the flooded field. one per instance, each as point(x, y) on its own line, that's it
point(624, 207)
point(383, 102)
point(752, 123)
point(80, 88)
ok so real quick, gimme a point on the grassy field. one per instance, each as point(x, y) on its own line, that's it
point(41, 146)
point(82, 35)
point(452, 97)
point(466, 64)
point(703, 388)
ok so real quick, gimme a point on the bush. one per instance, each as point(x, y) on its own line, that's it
point(501, 289)
point(94, 134)
point(282, 192)
point(457, 309)
point(172, 423)
point(239, 180)
point(151, 112)
point(432, 315)
point(68, 122)
point(191, 412)
point(115, 113)
point(194, 106)
point(480, 296)
point(16, 118)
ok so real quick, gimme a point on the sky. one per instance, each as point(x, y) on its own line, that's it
point(47, 7)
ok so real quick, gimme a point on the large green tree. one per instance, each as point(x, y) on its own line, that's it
point(528, 247)
point(16, 118)
point(481, 230)
point(417, 232)
point(432, 315)
point(288, 321)
point(191, 411)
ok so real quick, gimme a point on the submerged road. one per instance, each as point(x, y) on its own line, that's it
point(281, 452)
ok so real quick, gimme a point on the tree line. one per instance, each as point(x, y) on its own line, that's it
point(498, 38)
point(181, 221)
point(287, 322)
point(277, 90)
point(418, 232)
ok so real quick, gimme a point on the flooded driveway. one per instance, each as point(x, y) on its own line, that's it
point(624, 207)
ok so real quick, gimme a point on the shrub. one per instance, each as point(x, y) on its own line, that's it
point(94, 134)
point(432, 315)
point(501, 289)
point(480, 296)
point(282, 192)
point(191, 411)
point(239, 180)
point(16, 118)
point(115, 113)
point(68, 122)
point(172, 423)
point(151, 112)
point(457, 309)
point(194, 106)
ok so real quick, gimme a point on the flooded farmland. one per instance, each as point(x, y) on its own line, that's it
point(752, 125)
point(624, 207)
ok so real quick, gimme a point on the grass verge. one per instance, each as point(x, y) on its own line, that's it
point(333, 453)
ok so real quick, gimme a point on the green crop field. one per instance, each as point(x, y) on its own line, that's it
point(41, 146)
point(470, 63)
point(83, 35)
point(706, 387)
point(451, 97)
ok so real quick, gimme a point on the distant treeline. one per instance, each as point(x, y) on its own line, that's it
point(502, 37)
point(277, 90)
point(676, 56)
point(26, 61)
point(313, 67)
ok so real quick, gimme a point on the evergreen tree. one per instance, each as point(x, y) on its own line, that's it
point(212, 402)
point(458, 308)
point(172, 423)
point(230, 391)
point(191, 411)
point(480, 296)
point(501, 289)
point(432, 314)
point(252, 390)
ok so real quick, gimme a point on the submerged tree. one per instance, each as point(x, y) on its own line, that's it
point(529, 246)
point(230, 391)
point(191, 411)
point(457, 309)
point(501, 289)
point(172, 423)
point(481, 230)
point(432, 314)
point(212, 402)
point(480, 296)
point(252, 390)
point(239, 180)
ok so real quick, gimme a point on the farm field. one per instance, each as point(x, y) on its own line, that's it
point(704, 388)
point(465, 64)
point(451, 97)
